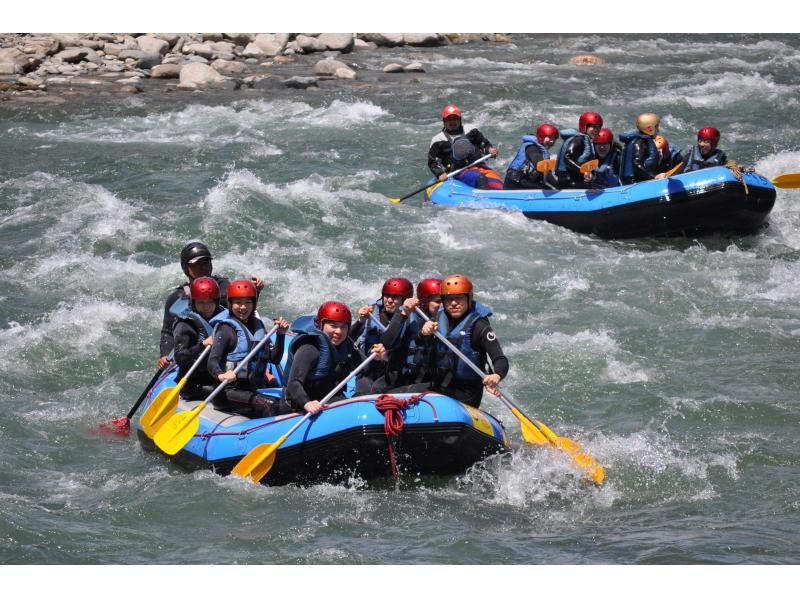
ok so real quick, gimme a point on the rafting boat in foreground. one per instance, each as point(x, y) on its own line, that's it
point(703, 202)
point(439, 435)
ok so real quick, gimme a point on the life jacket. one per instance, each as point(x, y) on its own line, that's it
point(627, 156)
point(449, 365)
point(371, 333)
point(205, 328)
point(605, 175)
point(695, 160)
point(521, 162)
point(245, 341)
point(418, 354)
point(588, 149)
point(481, 177)
point(333, 364)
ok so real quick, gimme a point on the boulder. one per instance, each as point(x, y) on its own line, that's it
point(222, 47)
point(204, 50)
point(384, 40)
point(271, 44)
point(309, 44)
point(152, 45)
point(360, 44)
point(14, 61)
point(72, 55)
point(344, 73)
point(425, 39)
point(170, 38)
point(414, 67)
point(41, 45)
point(301, 82)
point(229, 68)
point(195, 74)
point(268, 84)
point(106, 37)
point(113, 49)
point(240, 39)
point(131, 88)
point(141, 59)
point(341, 42)
point(166, 71)
point(328, 67)
point(94, 44)
point(393, 68)
point(253, 52)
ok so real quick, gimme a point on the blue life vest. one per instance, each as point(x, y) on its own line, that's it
point(520, 161)
point(245, 341)
point(418, 353)
point(588, 149)
point(695, 160)
point(204, 328)
point(461, 337)
point(371, 334)
point(627, 156)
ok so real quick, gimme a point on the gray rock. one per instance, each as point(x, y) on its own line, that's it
point(17, 60)
point(31, 81)
point(213, 37)
point(93, 57)
point(341, 42)
point(271, 44)
point(106, 37)
point(393, 68)
point(360, 44)
point(152, 45)
point(94, 44)
point(344, 73)
point(414, 67)
point(131, 88)
point(425, 39)
point(166, 71)
point(41, 45)
point(309, 44)
point(195, 75)
point(253, 52)
point(222, 47)
point(384, 40)
point(9, 68)
point(229, 68)
point(113, 49)
point(268, 84)
point(72, 55)
point(328, 67)
point(204, 50)
point(240, 39)
point(196, 59)
point(301, 82)
point(141, 59)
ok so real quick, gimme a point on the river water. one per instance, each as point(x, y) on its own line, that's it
point(670, 361)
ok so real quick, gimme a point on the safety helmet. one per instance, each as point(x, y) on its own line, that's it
point(589, 118)
point(661, 142)
point(193, 251)
point(648, 123)
point(456, 284)
point(334, 311)
point(398, 286)
point(604, 135)
point(710, 133)
point(451, 110)
point(204, 288)
point(546, 130)
point(242, 288)
point(427, 288)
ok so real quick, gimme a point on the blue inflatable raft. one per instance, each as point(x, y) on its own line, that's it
point(697, 203)
point(440, 435)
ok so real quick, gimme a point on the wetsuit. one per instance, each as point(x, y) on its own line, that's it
point(577, 149)
point(694, 160)
point(169, 320)
point(639, 159)
point(522, 173)
point(440, 153)
point(189, 335)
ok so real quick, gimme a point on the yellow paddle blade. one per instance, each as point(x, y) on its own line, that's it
point(593, 469)
point(257, 463)
point(394, 199)
point(589, 166)
point(178, 430)
point(673, 170)
point(545, 166)
point(161, 409)
point(787, 181)
point(529, 431)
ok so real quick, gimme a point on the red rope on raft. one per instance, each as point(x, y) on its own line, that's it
point(392, 408)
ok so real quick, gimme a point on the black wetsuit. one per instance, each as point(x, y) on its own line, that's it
point(182, 292)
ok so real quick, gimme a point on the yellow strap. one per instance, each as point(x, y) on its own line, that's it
point(737, 172)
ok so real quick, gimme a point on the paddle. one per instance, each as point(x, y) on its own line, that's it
point(257, 463)
point(180, 428)
point(121, 426)
point(673, 170)
point(787, 181)
point(534, 433)
point(450, 175)
point(163, 406)
point(589, 166)
point(545, 166)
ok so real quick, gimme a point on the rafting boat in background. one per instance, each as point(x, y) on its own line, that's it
point(440, 435)
point(703, 202)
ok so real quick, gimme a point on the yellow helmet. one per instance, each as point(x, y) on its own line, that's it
point(648, 122)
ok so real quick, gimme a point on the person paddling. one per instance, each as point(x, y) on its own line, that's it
point(194, 332)
point(640, 157)
point(441, 159)
point(233, 340)
point(321, 356)
point(608, 157)
point(705, 154)
point(522, 172)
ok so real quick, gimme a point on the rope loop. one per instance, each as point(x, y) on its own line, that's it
point(736, 169)
point(392, 409)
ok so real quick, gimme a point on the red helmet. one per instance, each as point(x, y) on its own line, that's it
point(334, 311)
point(604, 136)
point(451, 110)
point(456, 284)
point(204, 288)
point(589, 118)
point(242, 288)
point(710, 133)
point(427, 288)
point(398, 286)
point(546, 130)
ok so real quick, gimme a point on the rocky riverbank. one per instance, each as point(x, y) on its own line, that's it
point(54, 65)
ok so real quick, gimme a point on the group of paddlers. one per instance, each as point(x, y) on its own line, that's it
point(404, 332)
point(589, 157)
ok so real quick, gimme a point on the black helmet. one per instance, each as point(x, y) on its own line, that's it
point(463, 149)
point(193, 252)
